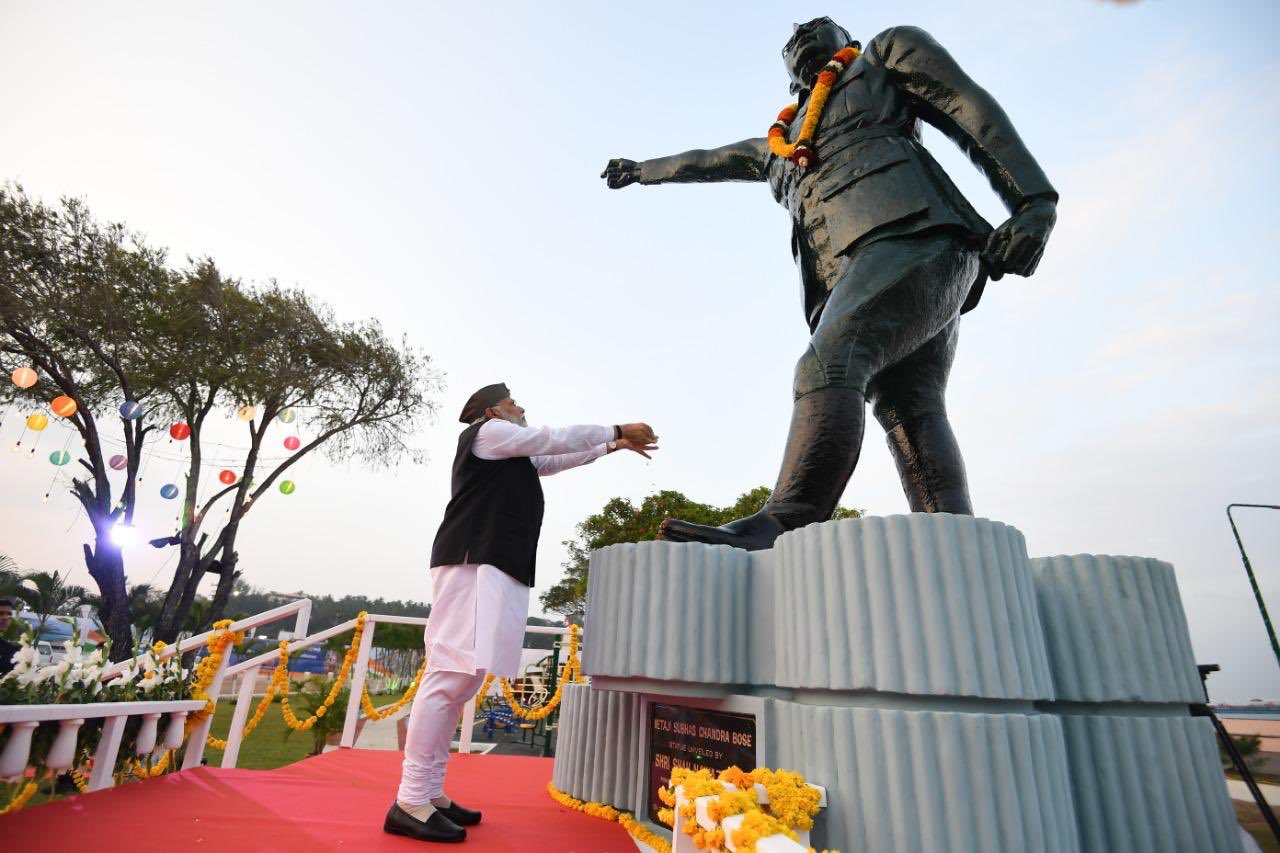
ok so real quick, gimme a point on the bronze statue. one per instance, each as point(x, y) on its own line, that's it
point(890, 254)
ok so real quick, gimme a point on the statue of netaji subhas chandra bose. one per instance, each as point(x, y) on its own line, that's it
point(890, 255)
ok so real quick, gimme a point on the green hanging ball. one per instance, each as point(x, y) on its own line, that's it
point(287, 487)
point(59, 457)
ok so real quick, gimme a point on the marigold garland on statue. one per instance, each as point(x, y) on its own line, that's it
point(801, 151)
point(81, 783)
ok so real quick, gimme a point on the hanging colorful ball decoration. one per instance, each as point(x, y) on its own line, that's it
point(25, 377)
point(179, 432)
point(292, 442)
point(247, 413)
point(287, 416)
point(168, 491)
point(131, 410)
point(226, 476)
point(63, 407)
point(59, 457)
point(37, 421)
point(118, 462)
point(287, 487)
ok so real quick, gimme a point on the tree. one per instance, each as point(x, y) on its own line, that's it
point(45, 594)
point(622, 521)
point(71, 294)
point(279, 350)
point(104, 320)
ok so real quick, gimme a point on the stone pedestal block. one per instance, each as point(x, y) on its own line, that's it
point(599, 745)
point(926, 605)
point(1144, 773)
point(948, 692)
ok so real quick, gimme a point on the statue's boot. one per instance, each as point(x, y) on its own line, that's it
point(822, 450)
point(930, 465)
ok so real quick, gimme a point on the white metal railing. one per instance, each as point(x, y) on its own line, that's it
point(115, 715)
point(25, 718)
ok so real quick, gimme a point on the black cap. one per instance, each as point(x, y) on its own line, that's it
point(486, 397)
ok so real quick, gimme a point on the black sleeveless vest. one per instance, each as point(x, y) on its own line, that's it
point(494, 515)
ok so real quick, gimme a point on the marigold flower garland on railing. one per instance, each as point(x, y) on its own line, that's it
point(569, 673)
point(366, 701)
point(140, 770)
point(279, 682)
point(344, 672)
point(801, 151)
point(20, 799)
point(218, 643)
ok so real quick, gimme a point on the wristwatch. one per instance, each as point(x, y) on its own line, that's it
point(612, 445)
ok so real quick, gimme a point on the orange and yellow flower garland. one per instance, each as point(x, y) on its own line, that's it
point(343, 673)
point(140, 770)
point(637, 830)
point(366, 701)
point(801, 151)
point(20, 799)
point(569, 673)
point(219, 641)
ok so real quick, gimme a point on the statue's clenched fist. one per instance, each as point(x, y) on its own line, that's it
point(620, 173)
point(1016, 246)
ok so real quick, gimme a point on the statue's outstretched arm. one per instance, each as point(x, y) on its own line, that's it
point(946, 97)
point(741, 161)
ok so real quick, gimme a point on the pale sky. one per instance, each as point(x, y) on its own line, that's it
point(435, 167)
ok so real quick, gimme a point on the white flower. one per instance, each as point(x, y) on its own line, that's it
point(94, 658)
point(125, 676)
point(150, 681)
point(25, 655)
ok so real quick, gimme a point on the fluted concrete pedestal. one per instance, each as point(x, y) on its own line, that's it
point(949, 693)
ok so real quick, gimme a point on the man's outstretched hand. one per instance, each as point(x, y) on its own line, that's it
point(620, 173)
point(1016, 246)
point(638, 433)
point(641, 447)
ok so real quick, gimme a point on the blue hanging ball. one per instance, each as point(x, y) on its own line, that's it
point(131, 409)
point(168, 491)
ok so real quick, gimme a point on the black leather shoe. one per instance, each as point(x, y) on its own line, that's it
point(459, 815)
point(435, 828)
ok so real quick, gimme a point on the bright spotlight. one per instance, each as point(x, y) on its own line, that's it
point(123, 535)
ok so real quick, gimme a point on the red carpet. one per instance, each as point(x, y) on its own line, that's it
point(334, 801)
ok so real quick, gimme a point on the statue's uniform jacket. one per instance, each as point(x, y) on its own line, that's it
point(873, 178)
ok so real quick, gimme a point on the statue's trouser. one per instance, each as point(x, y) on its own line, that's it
point(888, 333)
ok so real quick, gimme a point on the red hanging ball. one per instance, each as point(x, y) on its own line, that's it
point(180, 432)
point(227, 477)
point(292, 442)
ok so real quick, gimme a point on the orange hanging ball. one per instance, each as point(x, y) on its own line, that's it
point(63, 407)
point(24, 377)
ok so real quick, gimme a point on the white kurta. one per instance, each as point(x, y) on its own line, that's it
point(478, 612)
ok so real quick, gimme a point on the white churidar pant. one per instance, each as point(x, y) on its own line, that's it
point(477, 624)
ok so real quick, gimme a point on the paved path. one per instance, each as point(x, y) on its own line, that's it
point(1240, 791)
